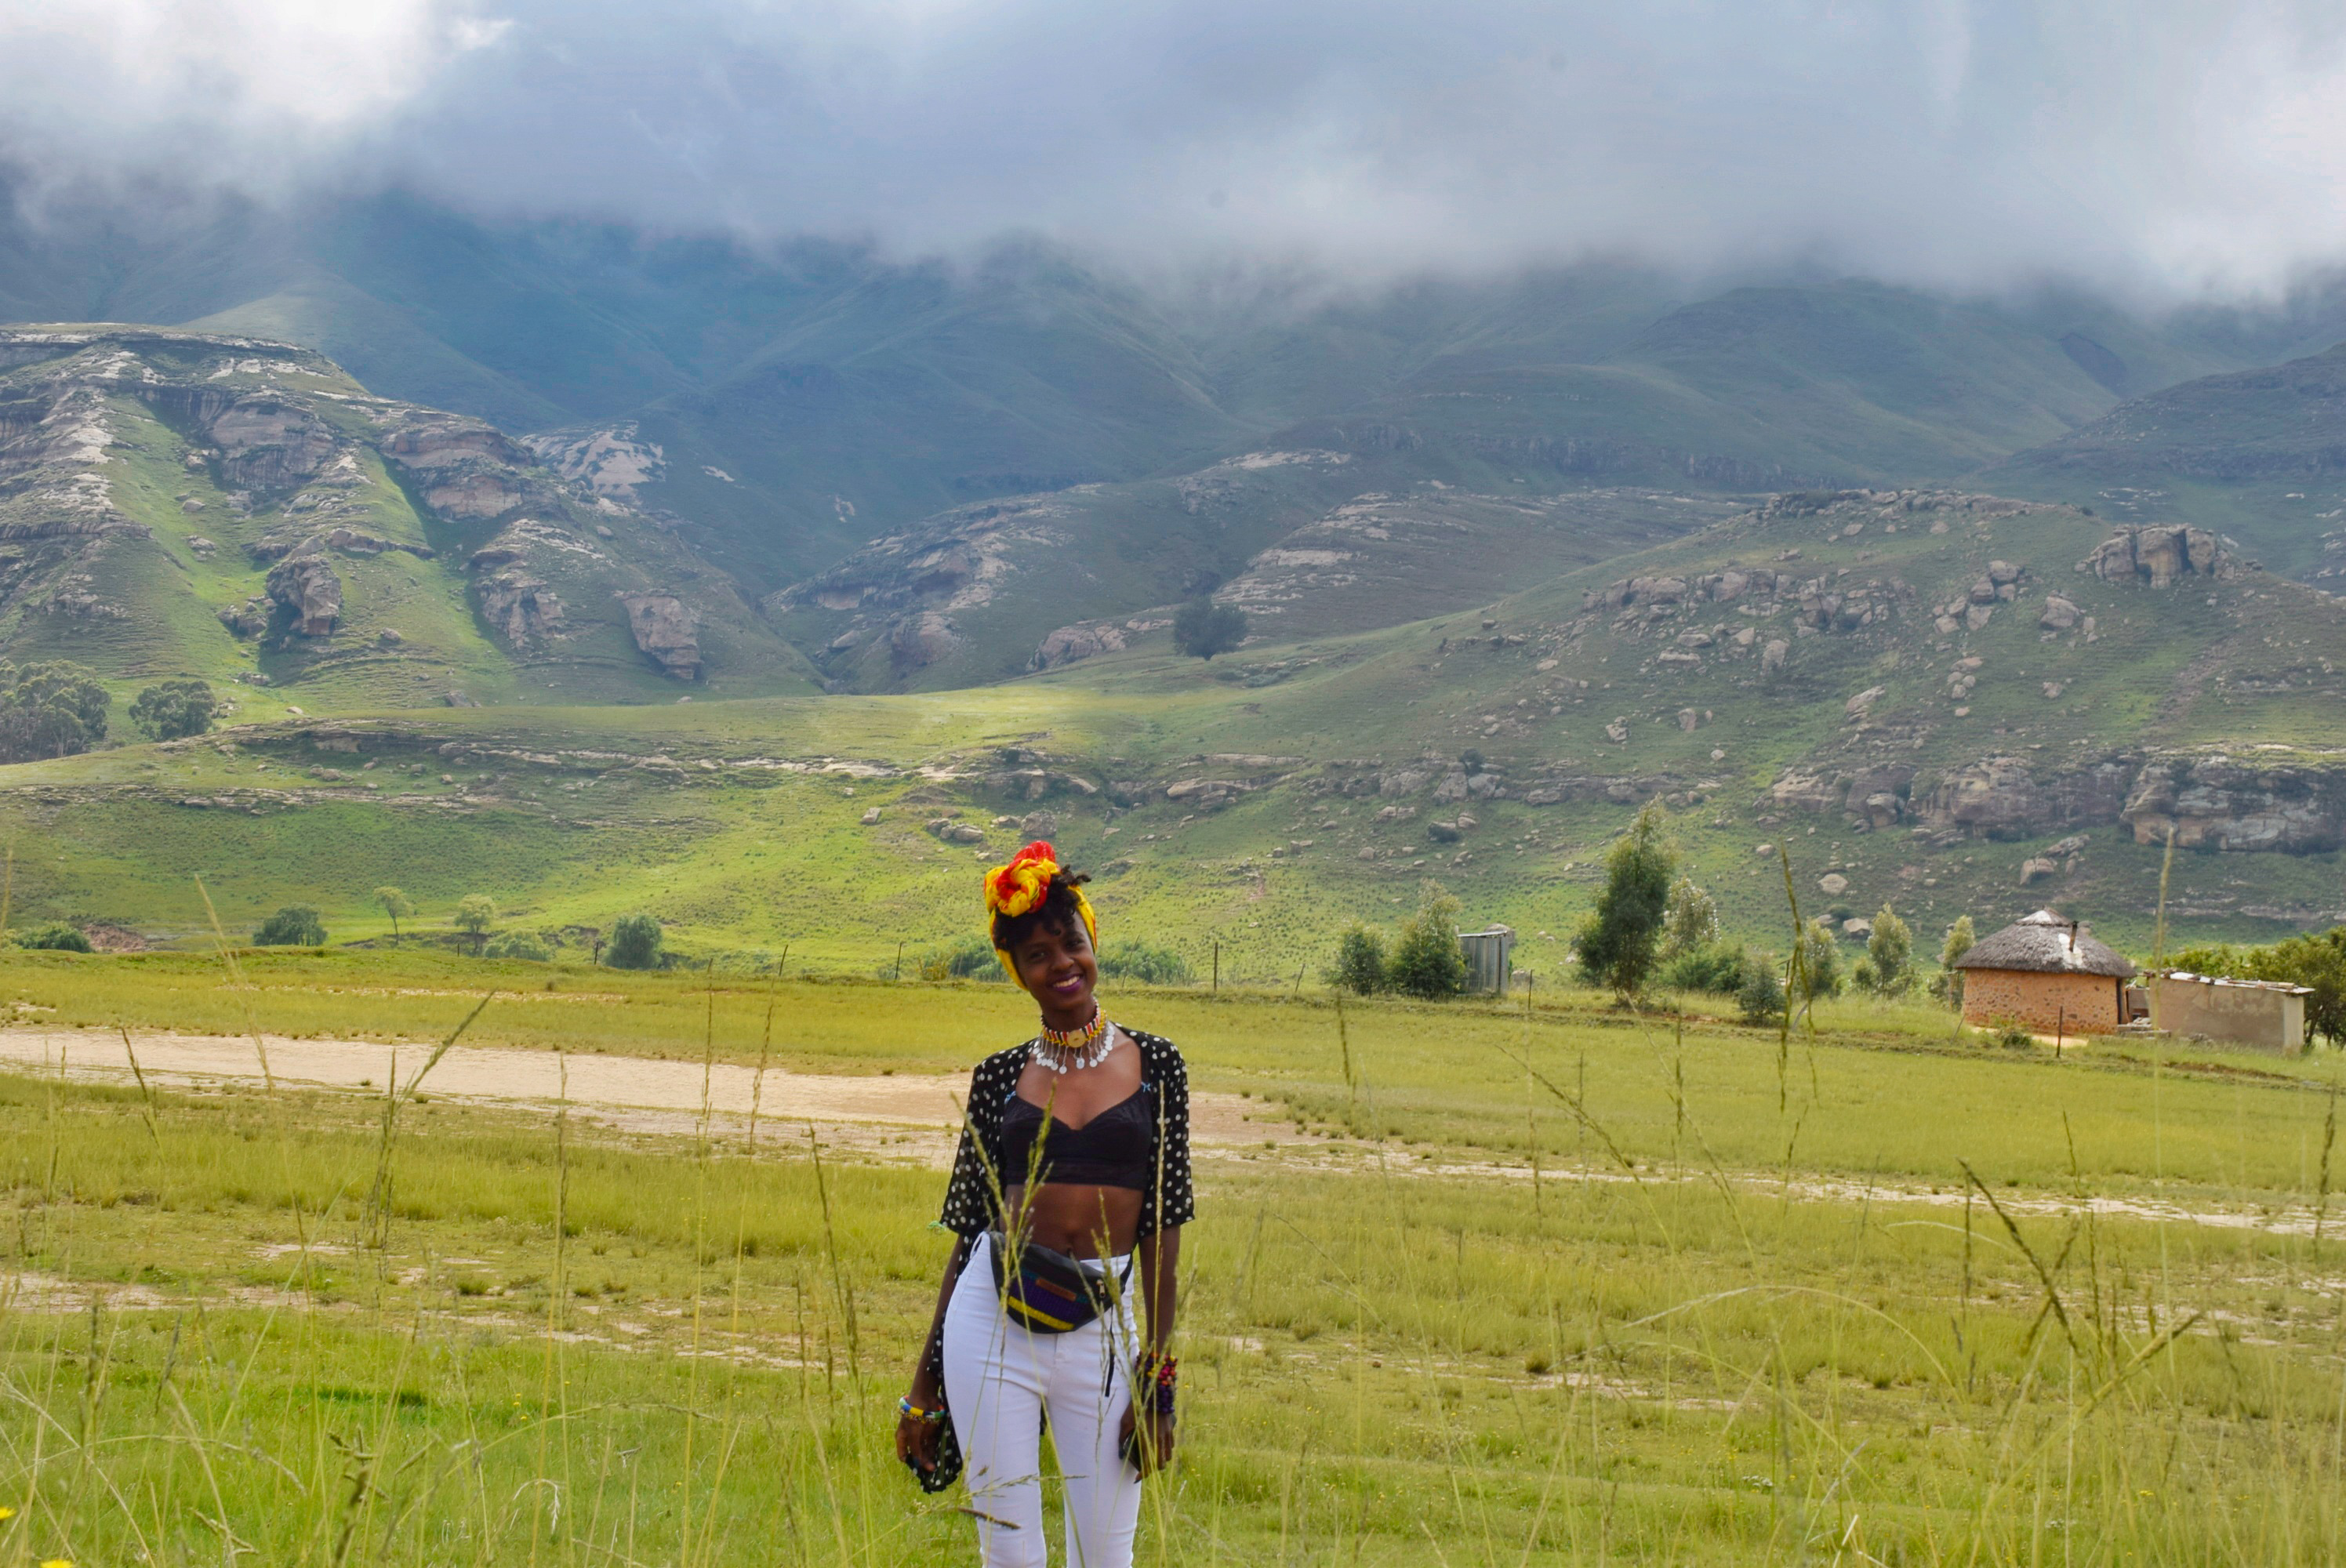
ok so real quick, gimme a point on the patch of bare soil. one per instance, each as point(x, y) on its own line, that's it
point(891, 1116)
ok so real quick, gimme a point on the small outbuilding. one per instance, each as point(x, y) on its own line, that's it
point(2266, 1014)
point(1490, 958)
point(2045, 973)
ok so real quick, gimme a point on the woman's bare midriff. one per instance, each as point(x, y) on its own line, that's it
point(1067, 1217)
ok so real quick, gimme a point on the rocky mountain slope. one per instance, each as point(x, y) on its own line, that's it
point(808, 398)
point(1947, 701)
point(179, 504)
point(2261, 453)
point(1309, 542)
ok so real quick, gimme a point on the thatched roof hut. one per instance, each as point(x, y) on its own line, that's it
point(2047, 974)
point(2044, 943)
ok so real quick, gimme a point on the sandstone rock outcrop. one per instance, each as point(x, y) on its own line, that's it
point(2157, 554)
point(2000, 797)
point(267, 444)
point(2222, 802)
point(520, 606)
point(307, 591)
point(666, 629)
point(611, 461)
point(1085, 639)
point(919, 640)
point(462, 467)
point(2059, 615)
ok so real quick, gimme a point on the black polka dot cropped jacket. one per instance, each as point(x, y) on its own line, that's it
point(972, 1204)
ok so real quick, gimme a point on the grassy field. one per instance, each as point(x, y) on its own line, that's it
point(1557, 1284)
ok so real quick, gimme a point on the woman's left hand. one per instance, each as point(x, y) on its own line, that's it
point(1155, 1450)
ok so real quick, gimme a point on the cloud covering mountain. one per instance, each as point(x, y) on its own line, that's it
point(2162, 147)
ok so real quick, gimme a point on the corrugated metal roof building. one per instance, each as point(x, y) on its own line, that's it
point(2266, 1014)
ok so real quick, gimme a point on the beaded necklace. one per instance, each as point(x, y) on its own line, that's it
point(1065, 1050)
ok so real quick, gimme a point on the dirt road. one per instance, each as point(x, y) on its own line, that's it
point(640, 1094)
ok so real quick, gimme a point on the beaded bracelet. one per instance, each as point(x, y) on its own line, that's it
point(906, 1407)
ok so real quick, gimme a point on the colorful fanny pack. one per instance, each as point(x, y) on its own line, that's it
point(1049, 1292)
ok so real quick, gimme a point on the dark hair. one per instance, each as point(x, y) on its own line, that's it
point(1056, 910)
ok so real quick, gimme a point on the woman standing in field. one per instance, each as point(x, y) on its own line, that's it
point(1069, 1192)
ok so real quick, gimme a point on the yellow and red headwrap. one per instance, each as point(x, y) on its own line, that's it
point(1018, 888)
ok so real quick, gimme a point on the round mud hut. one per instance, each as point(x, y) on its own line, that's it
point(2047, 974)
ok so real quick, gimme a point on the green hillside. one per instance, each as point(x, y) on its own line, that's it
point(1266, 800)
point(237, 510)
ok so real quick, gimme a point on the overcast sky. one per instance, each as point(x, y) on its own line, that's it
point(2162, 148)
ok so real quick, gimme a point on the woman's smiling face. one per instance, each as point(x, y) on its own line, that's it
point(1059, 970)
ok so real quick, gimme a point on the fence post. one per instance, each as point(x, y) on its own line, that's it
point(1217, 966)
point(899, 959)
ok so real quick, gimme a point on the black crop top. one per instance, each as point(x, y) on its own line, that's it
point(1112, 1149)
point(1145, 1139)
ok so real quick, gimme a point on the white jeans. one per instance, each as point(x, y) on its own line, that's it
point(1000, 1378)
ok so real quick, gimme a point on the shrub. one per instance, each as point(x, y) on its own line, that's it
point(520, 945)
point(55, 937)
point(175, 710)
point(1715, 967)
point(1202, 629)
point(636, 943)
point(1136, 960)
point(1427, 961)
point(1618, 942)
point(970, 957)
point(1761, 997)
point(1360, 965)
point(295, 925)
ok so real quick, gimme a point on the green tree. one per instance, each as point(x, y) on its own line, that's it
point(396, 904)
point(55, 937)
point(1618, 942)
point(1891, 950)
point(1360, 965)
point(1690, 922)
point(52, 709)
point(1427, 961)
point(1948, 983)
point(175, 710)
point(1820, 956)
point(295, 925)
point(475, 914)
point(1202, 629)
point(634, 942)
